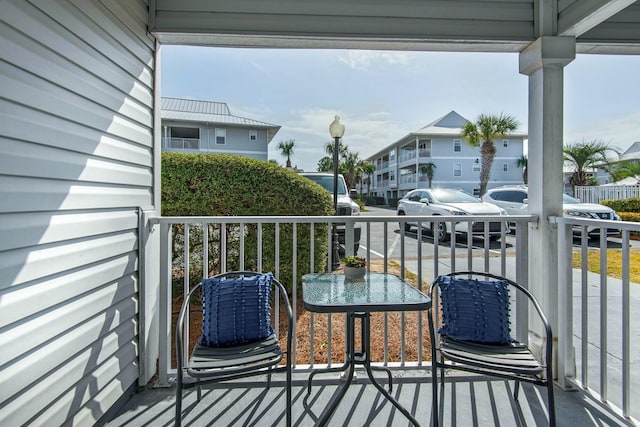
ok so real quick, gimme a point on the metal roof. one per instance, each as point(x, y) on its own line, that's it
point(193, 110)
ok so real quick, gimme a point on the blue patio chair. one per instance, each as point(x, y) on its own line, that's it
point(473, 334)
point(237, 337)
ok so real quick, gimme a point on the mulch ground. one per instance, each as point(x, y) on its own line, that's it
point(394, 326)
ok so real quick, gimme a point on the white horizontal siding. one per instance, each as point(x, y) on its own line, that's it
point(76, 164)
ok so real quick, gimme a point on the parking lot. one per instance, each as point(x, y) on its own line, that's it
point(394, 245)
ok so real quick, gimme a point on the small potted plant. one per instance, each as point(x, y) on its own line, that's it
point(354, 267)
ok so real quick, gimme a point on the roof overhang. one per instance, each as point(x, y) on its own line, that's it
point(599, 26)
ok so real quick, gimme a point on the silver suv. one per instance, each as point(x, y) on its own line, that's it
point(514, 199)
point(346, 206)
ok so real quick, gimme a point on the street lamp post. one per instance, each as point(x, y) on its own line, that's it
point(337, 131)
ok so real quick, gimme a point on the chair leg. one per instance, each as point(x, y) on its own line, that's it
point(516, 390)
point(289, 392)
point(178, 416)
point(551, 404)
point(434, 392)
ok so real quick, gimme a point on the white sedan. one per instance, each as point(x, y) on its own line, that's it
point(432, 202)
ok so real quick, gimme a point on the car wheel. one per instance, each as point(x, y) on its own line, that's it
point(407, 227)
point(443, 236)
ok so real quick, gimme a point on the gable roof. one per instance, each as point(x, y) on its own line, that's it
point(194, 110)
point(449, 124)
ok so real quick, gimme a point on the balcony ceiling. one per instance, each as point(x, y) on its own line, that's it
point(600, 26)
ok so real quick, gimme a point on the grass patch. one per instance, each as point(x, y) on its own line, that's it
point(614, 262)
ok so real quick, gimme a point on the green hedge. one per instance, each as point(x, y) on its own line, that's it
point(623, 205)
point(629, 216)
point(223, 185)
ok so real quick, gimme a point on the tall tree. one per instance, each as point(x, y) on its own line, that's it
point(623, 169)
point(350, 168)
point(342, 149)
point(286, 149)
point(583, 156)
point(482, 133)
point(325, 164)
point(368, 169)
point(523, 163)
point(428, 169)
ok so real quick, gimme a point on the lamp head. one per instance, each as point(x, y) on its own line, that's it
point(336, 129)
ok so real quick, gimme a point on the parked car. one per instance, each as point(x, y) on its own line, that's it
point(432, 202)
point(346, 205)
point(514, 199)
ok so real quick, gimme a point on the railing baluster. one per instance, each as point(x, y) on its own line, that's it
point(294, 289)
point(603, 315)
point(626, 327)
point(185, 291)
point(584, 251)
point(312, 269)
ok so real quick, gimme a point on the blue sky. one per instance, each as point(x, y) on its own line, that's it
point(383, 95)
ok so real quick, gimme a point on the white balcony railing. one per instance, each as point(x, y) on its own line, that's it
point(182, 143)
point(595, 312)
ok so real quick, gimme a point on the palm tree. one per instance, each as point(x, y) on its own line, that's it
point(624, 169)
point(325, 164)
point(350, 168)
point(583, 156)
point(286, 148)
point(368, 169)
point(342, 149)
point(523, 163)
point(428, 169)
point(482, 133)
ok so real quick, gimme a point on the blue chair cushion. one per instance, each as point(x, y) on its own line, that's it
point(475, 310)
point(236, 310)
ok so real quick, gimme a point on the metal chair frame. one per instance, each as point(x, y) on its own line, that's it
point(213, 364)
point(492, 360)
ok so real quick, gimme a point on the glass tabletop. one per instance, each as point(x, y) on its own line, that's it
point(327, 293)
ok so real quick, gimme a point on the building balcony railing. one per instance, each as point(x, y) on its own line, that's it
point(181, 143)
point(407, 179)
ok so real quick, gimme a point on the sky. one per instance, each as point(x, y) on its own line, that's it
point(382, 96)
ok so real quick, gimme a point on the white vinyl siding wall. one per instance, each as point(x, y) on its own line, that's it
point(76, 162)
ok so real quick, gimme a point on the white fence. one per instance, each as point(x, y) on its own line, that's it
point(595, 194)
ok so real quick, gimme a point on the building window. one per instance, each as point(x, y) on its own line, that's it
point(457, 169)
point(221, 136)
point(505, 167)
point(253, 135)
point(424, 147)
point(505, 143)
point(476, 165)
point(457, 145)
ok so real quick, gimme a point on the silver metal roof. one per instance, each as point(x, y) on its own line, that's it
point(193, 110)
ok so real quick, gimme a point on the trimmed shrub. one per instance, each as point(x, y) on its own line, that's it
point(623, 205)
point(228, 185)
point(629, 216)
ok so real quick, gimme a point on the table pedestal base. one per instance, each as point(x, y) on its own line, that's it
point(357, 357)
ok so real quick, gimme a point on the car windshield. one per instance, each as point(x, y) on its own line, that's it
point(566, 199)
point(327, 183)
point(453, 196)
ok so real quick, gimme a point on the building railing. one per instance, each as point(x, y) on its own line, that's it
point(407, 155)
point(594, 310)
point(182, 143)
point(407, 179)
point(600, 305)
point(595, 194)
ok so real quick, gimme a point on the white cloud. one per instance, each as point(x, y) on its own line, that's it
point(362, 60)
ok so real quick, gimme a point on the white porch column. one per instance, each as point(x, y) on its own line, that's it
point(543, 61)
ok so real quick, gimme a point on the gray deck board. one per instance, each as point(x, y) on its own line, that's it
point(469, 401)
